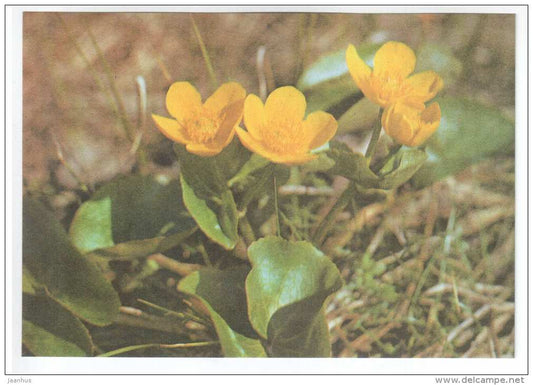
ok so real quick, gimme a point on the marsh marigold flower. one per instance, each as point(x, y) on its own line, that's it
point(389, 81)
point(277, 130)
point(411, 126)
point(205, 129)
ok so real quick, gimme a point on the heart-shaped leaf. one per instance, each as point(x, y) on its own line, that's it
point(222, 293)
point(131, 209)
point(286, 289)
point(354, 166)
point(70, 278)
point(218, 220)
point(468, 133)
point(50, 330)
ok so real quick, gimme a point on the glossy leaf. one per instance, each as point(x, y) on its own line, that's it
point(29, 283)
point(398, 170)
point(254, 164)
point(70, 278)
point(41, 342)
point(286, 289)
point(362, 115)
point(50, 330)
point(141, 248)
point(401, 168)
point(468, 133)
point(132, 208)
point(217, 220)
point(208, 176)
point(222, 293)
point(351, 165)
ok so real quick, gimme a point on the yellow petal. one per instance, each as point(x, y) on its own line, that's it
point(399, 124)
point(429, 122)
point(321, 127)
point(226, 94)
point(252, 143)
point(394, 58)
point(232, 115)
point(357, 67)
point(259, 148)
point(286, 103)
point(254, 115)
point(183, 100)
point(424, 85)
point(203, 149)
point(171, 129)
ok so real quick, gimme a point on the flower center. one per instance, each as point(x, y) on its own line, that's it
point(202, 126)
point(389, 87)
point(284, 136)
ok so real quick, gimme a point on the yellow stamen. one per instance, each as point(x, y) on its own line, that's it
point(389, 86)
point(284, 135)
point(202, 126)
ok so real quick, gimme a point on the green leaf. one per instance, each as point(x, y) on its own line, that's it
point(327, 82)
point(70, 278)
point(255, 163)
point(132, 208)
point(217, 220)
point(29, 283)
point(331, 96)
point(351, 165)
point(139, 249)
point(286, 289)
point(49, 329)
point(208, 176)
point(401, 168)
point(468, 132)
point(222, 293)
point(362, 115)
point(354, 166)
point(41, 342)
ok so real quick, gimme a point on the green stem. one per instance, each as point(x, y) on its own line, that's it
point(205, 54)
point(179, 315)
point(246, 230)
point(339, 205)
point(371, 149)
point(393, 151)
point(161, 346)
point(204, 255)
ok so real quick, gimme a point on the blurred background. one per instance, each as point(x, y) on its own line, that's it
point(76, 64)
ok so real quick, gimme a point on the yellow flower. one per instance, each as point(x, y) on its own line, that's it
point(205, 129)
point(411, 126)
point(388, 82)
point(277, 130)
